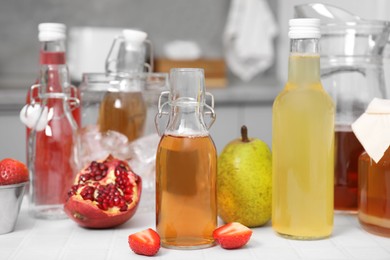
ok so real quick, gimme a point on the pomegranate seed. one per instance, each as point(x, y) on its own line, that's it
point(118, 193)
point(116, 201)
point(85, 177)
point(127, 198)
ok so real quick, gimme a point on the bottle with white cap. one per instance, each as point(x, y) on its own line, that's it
point(303, 142)
point(52, 121)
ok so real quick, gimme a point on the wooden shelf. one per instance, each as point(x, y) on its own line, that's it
point(214, 69)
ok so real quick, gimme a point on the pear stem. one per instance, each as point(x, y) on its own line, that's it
point(244, 134)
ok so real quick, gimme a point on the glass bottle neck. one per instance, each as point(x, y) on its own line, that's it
point(131, 59)
point(186, 120)
point(54, 74)
point(52, 52)
point(187, 101)
point(304, 62)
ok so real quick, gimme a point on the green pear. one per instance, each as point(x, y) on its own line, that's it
point(244, 181)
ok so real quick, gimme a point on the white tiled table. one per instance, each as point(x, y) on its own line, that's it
point(63, 239)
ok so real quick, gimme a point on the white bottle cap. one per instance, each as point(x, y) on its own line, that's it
point(51, 32)
point(134, 37)
point(304, 28)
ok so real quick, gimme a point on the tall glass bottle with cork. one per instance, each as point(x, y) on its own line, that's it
point(303, 142)
point(186, 166)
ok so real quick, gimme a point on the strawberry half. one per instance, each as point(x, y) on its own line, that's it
point(146, 242)
point(12, 171)
point(232, 235)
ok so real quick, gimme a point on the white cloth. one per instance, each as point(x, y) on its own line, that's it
point(372, 129)
point(248, 38)
point(34, 117)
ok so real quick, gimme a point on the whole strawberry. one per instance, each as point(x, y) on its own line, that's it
point(12, 171)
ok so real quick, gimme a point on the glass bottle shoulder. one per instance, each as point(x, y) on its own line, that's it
point(383, 162)
point(299, 95)
point(187, 142)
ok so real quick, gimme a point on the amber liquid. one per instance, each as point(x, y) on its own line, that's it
point(186, 211)
point(374, 194)
point(347, 152)
point(124, 112)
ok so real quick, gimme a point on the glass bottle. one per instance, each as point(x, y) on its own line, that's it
point(52, 61)
point(123, 109)
point(374, 194)
point(186, 165)
point(303, 142)
point(129, 52)
point(52, 146)
point(53, 71)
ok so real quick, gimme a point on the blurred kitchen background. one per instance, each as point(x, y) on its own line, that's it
point(91, 24)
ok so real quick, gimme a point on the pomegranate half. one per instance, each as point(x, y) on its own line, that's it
point(105, 194)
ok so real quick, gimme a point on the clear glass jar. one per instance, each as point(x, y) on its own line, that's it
point(113, 114)
point(128, 116)
point(374, 194)
point(352, 73)
point(186, 166)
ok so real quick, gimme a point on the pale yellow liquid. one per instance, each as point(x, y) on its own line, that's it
point(303, 155)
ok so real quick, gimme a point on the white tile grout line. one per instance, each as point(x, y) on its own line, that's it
point(63, 250)
point(112, 243)
point(341, 248)
point(296, 249)
point(387, 249)
point(21, 245)
point(371, 237)
point(254, 255)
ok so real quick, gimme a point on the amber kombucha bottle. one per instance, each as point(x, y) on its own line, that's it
point(186, 167)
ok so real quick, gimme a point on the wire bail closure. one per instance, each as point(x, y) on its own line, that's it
point(162, 112)
point(73, 100)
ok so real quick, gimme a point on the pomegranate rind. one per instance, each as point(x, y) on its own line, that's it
point(87, 214)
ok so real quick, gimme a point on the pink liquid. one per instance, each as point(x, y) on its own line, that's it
point(54, 172)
